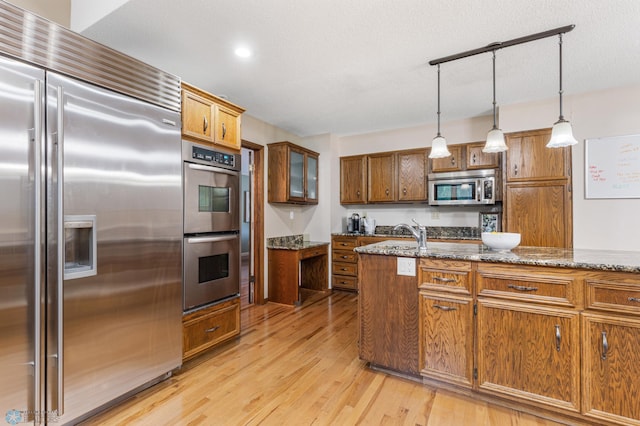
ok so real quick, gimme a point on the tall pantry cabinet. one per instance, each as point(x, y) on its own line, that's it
point(537, 197)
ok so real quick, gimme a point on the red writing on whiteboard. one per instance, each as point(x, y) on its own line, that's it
point(596, 173)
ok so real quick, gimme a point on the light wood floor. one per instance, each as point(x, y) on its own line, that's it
point(299, 366)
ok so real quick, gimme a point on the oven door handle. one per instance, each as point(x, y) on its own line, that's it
point(197, 240)
point(211, 169)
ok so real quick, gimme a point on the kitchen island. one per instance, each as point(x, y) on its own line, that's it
point(533, 328)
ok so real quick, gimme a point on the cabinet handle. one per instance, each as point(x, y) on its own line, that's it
point(345, 257)
point(404, 191)
point(205, 123)
point(343, 244)
point(522, 288)
point(445, 308)
point(558, 338)
point(212, 329)
point(224, 130)
point(515, 170)
point(386, 191)
point(634, 299)
point(473, 158)
point(605, 346)
point(358, 193)
point(453, 160)
point(444, 280)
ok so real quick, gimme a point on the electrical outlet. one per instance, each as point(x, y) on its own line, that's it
point(435, 215)
point(406, 266)
point(291, 215)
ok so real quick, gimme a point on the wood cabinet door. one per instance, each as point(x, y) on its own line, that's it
point(529, 352)
point(197, 116)
point(227, 127)
point(448, 164)
point(476, 159)
point(541, 212)
point(611, 367)
point(353, 180)
point(528, 158)
point(381, 171)
point(311, 178)
point(446, 338)
point(412, 175)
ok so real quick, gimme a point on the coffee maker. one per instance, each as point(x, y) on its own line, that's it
point(353, 223)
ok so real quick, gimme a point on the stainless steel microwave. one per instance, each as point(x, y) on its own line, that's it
point(472, 187)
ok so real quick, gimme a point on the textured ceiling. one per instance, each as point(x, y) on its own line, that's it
point(355, 66)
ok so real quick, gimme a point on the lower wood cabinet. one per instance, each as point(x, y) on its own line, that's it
point(529, 352)
point(206, 327)
point(446, 338)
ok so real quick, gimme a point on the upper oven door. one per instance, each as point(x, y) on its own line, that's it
point(211, 200)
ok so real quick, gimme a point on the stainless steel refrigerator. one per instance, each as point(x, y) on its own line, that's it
point(90, 244)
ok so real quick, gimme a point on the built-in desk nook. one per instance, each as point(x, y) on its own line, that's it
point(296, 269)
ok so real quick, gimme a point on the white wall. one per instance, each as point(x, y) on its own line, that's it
point(58, 11)
point(85, 13)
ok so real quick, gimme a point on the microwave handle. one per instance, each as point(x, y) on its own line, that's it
point(479, 190)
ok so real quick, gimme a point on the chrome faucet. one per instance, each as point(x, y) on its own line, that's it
point(420, 235)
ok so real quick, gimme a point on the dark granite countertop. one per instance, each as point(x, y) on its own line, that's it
point(433, 233)
point(294, 245)
point(603, 260)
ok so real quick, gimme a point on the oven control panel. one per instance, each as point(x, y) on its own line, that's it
point(201, 155)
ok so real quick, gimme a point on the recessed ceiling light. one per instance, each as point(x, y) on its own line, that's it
point(243, 52)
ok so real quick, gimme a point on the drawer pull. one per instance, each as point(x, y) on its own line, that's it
point(522, 288)
point(345, 257)
point(558, 338)
point(212, 329)
point(343, 269)
point(605, 346)
point(344, 244)
point(445, 308)
point(634, 299)
point(444, 280)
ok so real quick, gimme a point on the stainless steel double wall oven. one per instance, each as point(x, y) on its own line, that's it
point(211, 225)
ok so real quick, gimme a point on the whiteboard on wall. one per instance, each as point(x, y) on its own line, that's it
point(612, 167)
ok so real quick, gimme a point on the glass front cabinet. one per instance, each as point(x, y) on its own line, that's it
point(293, 174)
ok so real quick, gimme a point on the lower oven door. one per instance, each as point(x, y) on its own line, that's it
point(211, 268)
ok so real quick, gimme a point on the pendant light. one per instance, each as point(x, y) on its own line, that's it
point(439, 144)
point(562, 133)
point(495, 137)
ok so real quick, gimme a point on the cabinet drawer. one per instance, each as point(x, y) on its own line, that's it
point(344, 283)
point(340, 268)
point(445, 275)
point(203, 329)
point(313, 252)
point(613, 293)
point(348, 243)
point(553, 286)
point(344, 256)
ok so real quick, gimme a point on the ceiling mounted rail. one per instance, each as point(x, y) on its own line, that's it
point(502, 44)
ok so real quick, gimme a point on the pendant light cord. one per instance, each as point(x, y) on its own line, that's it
point(561, 118)
point(438, 135)
point(494, 89)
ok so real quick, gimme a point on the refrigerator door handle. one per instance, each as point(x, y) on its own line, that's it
point(38, 117)
point(60, 246)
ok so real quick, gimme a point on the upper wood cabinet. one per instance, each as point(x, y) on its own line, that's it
point(381, 177)
point(453, 163)
point(384, 177)
point(293, 174)
point(476, 159)
point(528, 158)
point(412, 175)
point(209, 119)
point(353, 179)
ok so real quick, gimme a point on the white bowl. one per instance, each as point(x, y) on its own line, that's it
point(501, 240)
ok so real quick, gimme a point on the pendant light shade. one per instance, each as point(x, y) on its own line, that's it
point(439, 148)
point(562, 133)
point(495, 137)
point(439, 144)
